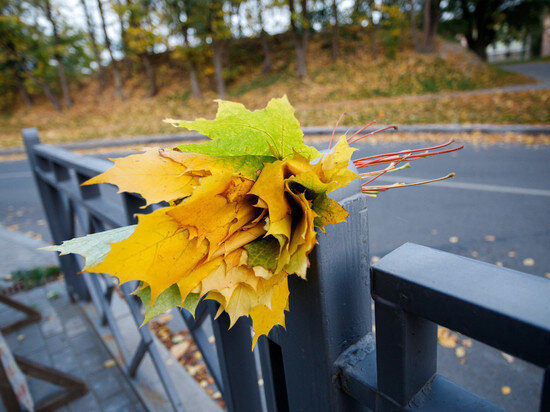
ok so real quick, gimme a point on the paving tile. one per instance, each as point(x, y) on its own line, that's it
point(41, 389)
point(50, 327)
point(84, 341)
point(41, 356)
point(26, 340)
point(57, 343)
point(74, 326)
point(65, 361)
point(117, 403)
point(92, 360)
point(138, 407)
point(87, 403)
point(105, 383)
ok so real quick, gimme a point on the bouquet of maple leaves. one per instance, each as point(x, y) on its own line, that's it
point(242, 214)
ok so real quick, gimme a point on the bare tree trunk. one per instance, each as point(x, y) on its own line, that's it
point(218, 67)
point(300, 43)
point(23, 90)
point(193, 80)
point(431, 23)
point(116, 73)
point(150, 74)
point(60, 67)
point(95, 49)
point(374, 31)
point(412, 21)
point(46, 89)
point(335, 31)
point(195, 88)
point(267, 65)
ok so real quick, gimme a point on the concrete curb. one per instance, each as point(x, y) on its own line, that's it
point(308, 131)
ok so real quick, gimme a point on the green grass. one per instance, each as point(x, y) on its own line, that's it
point(35, 277)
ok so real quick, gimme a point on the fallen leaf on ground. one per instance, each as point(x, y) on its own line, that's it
point(505, 390)
point(109, 363)
point(446, 338)
point(489, 238)
point(453, 239)
point(509, 358)
point(529, 262)
point(179, 349)
point(460, 352)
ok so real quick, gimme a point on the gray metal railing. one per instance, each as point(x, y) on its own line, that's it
point(327, 359)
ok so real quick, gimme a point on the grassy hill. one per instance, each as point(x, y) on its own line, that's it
point(367, 88)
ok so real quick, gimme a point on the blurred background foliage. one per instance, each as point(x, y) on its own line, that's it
point(92, 58)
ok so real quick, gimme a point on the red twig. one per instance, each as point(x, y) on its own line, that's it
point(334, 130)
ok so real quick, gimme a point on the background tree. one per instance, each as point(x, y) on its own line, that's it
point(108, 45)
point(181, 16)
point(141, 38)
point(299, 27)
point(95, 48)
point(335, 30)
point(432, 14)
point(477, 21)
point(267, 65)
point(58, 50)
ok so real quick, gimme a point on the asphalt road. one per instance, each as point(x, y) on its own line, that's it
point(497, 209)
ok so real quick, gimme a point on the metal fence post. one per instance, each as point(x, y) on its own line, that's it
point(328, 313)
point(58, 222)
point(237, 364)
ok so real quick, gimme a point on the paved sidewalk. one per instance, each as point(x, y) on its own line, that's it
point(65, 340)
point(20, 252)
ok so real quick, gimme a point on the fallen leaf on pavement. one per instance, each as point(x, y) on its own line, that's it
point(460, 352)
point(446, 338)
point(509, 358)
point(467, 342)
point(453, 239)
point(529, 262)
point(178, 350)
point(109, 363)
point(505, 390)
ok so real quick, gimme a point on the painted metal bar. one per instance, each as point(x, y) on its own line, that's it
point(545, 398)
point(208, 351)
point(406, 352)
point(329, 312)
point(140, 352)
point(489, 303)
point(51, 201)
point(238, 367)
point(96, 206)
point(273, 375)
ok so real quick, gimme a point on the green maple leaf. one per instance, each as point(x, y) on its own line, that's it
point(167, 300)
point(236, 131)
point(93, 247)
point(247, 166)
point(263, 252)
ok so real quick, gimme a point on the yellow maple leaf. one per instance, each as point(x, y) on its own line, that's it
point(270, 188)
point(333, 168)
point(159, 252)
point(157, 178)
point(264, 318)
